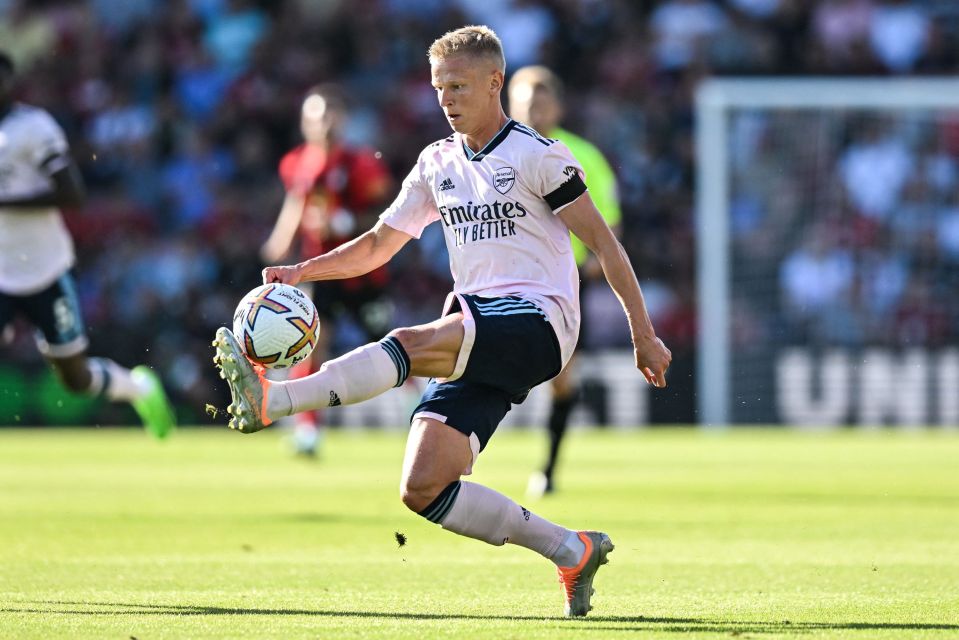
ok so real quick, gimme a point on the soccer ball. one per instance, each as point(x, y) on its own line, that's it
point(277, 325)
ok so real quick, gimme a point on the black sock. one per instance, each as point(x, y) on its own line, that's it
point(558, 421)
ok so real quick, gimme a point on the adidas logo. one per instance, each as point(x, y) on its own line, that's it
point(334, 400)
point(446, 185)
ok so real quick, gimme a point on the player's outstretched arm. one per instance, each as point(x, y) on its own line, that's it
point(357, 257)
point(583, 218)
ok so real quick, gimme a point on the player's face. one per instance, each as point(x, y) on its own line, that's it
point(535, 105)
point(467, 89)
point(319, 120)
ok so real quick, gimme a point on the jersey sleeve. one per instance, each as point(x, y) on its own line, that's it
point(559, 177)
point(50, 152)
point(414, 207)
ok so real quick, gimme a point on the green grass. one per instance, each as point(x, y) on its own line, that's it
point(107, 534)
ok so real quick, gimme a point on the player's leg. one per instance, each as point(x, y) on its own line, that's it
point(62, 340)
point(437, 455)
point(428, 350)
point(307, 434)
point(565, 396)
point(141, 387)
point(306, 438)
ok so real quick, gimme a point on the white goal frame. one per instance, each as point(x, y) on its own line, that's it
point(714, 100)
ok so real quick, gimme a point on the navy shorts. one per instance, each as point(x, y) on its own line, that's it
point(55, 313)
point(509, 348)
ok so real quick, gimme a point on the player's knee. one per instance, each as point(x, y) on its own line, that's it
point(417, 493)
point(409, 338)
point(564, 392)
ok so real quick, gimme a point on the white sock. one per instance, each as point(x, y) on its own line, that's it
point(359, 375)
point(112, 380)
point(481, 513)
point(570, 552)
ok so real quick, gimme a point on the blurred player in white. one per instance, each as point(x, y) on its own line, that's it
point(507, 199)
point(37, 178)
point(535, 99)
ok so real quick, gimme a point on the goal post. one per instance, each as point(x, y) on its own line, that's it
point(748, 360)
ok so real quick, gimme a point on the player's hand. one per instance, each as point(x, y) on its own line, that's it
point(652, 358)
point(292, 274)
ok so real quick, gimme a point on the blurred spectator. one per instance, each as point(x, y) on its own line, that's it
point(875, 168)
point(231, 34)
point(118, 16)
point(758, 9)
point(192, 178)
point(120, 124)
point(947, 229)
point(841, 27)
point(201, 85)
point(26, 34)
point(899, 34)
point(817, 275)
point(680, 28)
point(524, 26)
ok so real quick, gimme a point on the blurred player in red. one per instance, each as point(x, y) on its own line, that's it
point(332, 190)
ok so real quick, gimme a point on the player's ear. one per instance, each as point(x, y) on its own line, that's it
point(496, 81)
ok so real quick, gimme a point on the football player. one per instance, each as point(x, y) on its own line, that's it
point(507, 199)
point(37, 180)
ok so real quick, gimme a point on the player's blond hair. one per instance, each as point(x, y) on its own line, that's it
point(536, 75)
point(475, 40)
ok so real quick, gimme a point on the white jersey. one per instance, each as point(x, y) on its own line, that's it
point(498, 210)
point(35, 246)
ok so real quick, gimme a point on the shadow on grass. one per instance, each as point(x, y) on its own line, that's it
point(323, 518)
point(595, 623)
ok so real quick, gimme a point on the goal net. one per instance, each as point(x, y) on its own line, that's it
point(828, 251)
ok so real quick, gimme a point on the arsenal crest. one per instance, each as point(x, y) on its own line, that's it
point(503, 179)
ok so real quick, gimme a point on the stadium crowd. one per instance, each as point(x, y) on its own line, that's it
point(179, 111)
point(877, 265)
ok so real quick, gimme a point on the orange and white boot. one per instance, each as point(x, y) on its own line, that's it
point(248, 384)
point(577, 581)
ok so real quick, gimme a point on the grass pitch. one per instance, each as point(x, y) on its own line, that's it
point(747, 534)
